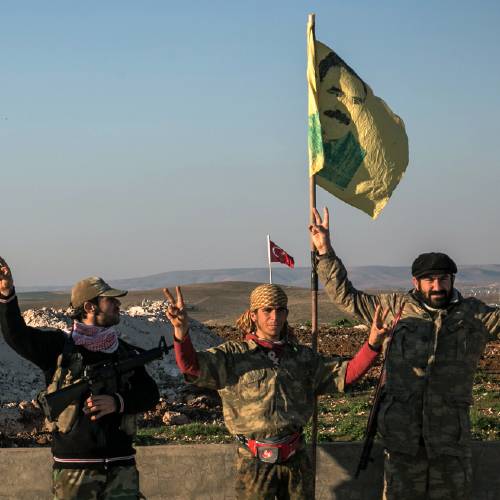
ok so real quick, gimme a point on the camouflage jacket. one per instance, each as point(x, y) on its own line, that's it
point(430, 366)
point(262, 399)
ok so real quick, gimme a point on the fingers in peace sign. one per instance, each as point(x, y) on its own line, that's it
point(175, 312)
point(379, 328)
point(179, 302)
point(320, 231)
point(325, 222)
point(380, 317)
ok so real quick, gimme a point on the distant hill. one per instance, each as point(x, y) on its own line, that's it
point(363, 277)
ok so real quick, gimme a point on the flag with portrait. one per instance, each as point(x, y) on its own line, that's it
point(358, 148)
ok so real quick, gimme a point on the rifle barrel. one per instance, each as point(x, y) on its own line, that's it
point(55, 402)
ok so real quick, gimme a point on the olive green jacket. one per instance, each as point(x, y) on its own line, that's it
point(262, 399)
point(430, 365)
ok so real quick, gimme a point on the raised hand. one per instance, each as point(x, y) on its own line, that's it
point(379, 328)
point(176, 314)
point(320, 231)
point(6, 281)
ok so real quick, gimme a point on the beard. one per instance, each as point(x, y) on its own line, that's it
point(107, 319)
point(436, 300)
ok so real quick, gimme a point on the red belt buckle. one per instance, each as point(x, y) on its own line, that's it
point(268, 454)
point(273, 453)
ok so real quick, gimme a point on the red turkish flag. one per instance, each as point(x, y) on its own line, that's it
point(277, 254)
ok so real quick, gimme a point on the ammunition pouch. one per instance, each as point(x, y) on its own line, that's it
point(68, 371)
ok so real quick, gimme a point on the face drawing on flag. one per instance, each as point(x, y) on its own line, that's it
point(358, 148)
point(348, 110)
point(341, 92)
point(342, 95)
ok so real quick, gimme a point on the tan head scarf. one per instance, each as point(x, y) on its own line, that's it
point(263, 296)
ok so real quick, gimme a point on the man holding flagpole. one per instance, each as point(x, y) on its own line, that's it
point(358, 148)
point(424, 414)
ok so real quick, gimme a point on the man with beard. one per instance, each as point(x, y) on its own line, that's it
point(424, 414)
point(92, 438)
point(267, 382)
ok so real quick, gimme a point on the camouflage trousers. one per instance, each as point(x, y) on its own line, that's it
point(256, 480)
point(96, 484)
point(444, 477)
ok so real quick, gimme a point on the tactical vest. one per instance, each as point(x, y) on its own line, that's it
point(430, 372)
point(69, 370)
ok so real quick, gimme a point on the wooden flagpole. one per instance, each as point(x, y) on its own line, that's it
point(314, 310)
point(314, 330)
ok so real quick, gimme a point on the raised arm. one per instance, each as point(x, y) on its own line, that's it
point(366, 356)
point(334, 375)
point(333, 275)
point(207, 368)
point(37, 346)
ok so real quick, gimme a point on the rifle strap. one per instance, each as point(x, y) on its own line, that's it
point(389, 343)
point(371, 426)
point(397, 318)
point(395, 322)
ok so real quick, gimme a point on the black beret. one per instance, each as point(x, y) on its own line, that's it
point(433, 262)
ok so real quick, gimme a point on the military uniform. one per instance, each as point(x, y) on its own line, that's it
point(264, 399)
point(114, 483)
point(268, 384)
point(424, 414)
point(257, 480)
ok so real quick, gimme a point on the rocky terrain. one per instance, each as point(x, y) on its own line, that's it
point(21, 422)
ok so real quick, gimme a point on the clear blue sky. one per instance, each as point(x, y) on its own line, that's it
point(141, 137)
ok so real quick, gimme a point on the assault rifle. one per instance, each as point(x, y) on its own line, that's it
point(94, 380)
point(371, 426)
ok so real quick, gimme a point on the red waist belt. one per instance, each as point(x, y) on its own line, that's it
point(273, 451)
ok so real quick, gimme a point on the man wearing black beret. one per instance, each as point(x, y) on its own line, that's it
point(440, 336)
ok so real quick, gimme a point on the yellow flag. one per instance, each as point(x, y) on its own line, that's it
point(357, 146)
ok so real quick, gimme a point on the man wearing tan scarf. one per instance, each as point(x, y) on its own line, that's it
point(268, 383)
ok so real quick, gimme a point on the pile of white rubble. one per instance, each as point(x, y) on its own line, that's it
point(142, 325)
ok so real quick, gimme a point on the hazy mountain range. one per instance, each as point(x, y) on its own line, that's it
point(363, 277)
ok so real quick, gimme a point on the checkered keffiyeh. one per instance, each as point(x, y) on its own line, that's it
point(95, 338)
point(263, 296)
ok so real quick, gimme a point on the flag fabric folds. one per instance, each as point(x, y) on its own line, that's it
point(358, 148)
point(277, 254)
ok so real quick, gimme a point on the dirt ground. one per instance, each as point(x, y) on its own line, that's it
point(193, 405)
point(335, 341)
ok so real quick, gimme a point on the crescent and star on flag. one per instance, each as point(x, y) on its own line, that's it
point(276, 254)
